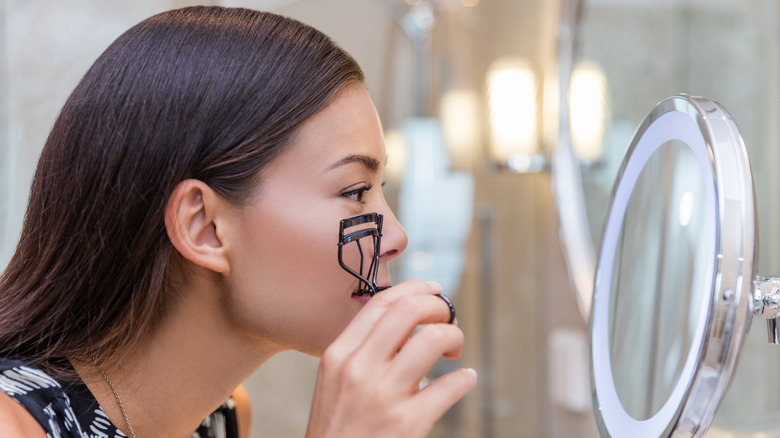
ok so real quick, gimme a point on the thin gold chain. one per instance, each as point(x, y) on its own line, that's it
point(118, 400)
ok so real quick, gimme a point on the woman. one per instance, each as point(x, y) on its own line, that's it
point(182, 228)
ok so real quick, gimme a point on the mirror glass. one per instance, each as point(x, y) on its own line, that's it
point(658, 283)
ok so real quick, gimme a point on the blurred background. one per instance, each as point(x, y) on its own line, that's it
point(506, 122)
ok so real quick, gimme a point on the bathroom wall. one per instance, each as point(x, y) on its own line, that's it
point(5, 144)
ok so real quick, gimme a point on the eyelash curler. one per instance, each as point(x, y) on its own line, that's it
point(373, 229)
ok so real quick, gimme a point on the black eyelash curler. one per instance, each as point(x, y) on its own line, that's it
point(373, 229)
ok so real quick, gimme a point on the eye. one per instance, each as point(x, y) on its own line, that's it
point(358, 193)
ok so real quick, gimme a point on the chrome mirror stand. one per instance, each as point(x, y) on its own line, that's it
point(766, 304)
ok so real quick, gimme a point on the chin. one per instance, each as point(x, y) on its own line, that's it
point(315, 350)
point(321, 333)
point(321, 340)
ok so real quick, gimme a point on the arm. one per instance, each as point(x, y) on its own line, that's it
point(368, 379)
point(16, 422)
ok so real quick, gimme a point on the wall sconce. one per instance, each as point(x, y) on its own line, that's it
point(588, 111)
point(459, 113)
point(395, 148)
point(512, 106)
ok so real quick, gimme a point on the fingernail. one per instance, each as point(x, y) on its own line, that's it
point(473, 372)
point(434, 285)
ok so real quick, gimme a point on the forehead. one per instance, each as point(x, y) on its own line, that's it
point(348, 126)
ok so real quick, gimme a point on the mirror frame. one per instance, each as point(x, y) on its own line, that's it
point(578, 245)
point(709, 130)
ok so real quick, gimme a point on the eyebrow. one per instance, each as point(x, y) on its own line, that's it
point(370, 163)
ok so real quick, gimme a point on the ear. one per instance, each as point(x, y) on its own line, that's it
point(192, 220)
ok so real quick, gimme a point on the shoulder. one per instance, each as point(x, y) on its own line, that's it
point(243, 411)
point(15, 421)
point(232, 419)
point(33, 403)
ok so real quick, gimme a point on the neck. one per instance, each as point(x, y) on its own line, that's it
point(181, 372)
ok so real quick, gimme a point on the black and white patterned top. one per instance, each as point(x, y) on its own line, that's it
point(71, 411)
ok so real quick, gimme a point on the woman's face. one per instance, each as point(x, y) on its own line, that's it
point(285, 284)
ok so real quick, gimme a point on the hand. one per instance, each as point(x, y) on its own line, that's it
point(368, 379)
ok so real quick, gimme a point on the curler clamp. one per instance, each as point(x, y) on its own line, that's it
point(372, 230)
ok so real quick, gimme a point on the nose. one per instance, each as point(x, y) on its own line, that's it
point(394, 239)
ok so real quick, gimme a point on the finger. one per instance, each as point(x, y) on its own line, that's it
point(396, 325)
point(363, 323)
point(424, 348)
point(450, 305)
point(439, 396)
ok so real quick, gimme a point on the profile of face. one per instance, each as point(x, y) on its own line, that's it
point(285, 284)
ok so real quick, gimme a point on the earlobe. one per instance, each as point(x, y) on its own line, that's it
point(192, 223)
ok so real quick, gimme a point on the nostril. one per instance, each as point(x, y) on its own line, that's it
point(391, 253)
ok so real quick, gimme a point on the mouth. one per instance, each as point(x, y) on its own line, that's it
point(363, 299)
point(363, 295)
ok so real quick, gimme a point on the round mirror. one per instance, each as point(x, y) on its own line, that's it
point(662, 255)
point(672, 294)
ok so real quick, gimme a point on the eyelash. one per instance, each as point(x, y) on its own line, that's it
point(357, 194)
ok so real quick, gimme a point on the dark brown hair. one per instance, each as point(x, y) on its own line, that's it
point(203, 92)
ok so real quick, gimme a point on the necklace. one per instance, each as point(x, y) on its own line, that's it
point(118, 399)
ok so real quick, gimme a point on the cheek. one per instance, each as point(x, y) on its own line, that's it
point(286, 285)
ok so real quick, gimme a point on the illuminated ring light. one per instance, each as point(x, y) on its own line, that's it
point(674, 124)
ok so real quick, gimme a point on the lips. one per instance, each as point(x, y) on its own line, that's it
point(367, 291)
point(361, 298)
point(365, 296)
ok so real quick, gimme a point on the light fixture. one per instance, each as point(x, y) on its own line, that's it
point(512, 106)
point(588, 111)
point(459, 113)
point(395, 148)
